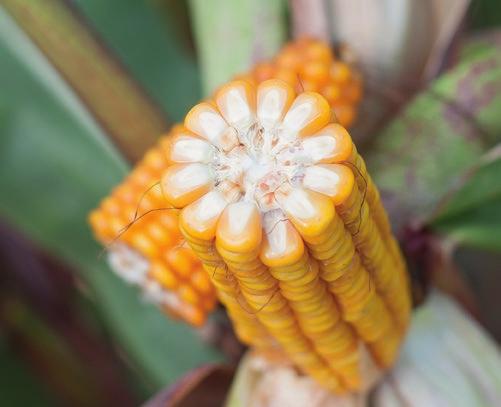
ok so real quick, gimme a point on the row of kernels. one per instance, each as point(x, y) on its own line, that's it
point(319, 319)
point(351, 286)
point(263, 293)
point(368, 221)
point(247, 327)
point(312, 304)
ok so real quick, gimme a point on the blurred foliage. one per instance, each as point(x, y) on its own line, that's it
point(441, 133)
point(205, 386)
point(232, 35)
point(481, 270)
point(473, 213)
point(54, 171)
point(15, 379)
point(57, 330)
point(485, 13)
point(55, 361)
point(109, 94)
point(145, 36)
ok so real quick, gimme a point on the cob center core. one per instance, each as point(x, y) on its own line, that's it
point(261, 162)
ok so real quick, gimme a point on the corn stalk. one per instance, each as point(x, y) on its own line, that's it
point(232, 34)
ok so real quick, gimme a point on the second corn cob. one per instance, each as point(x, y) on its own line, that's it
point(141, 234)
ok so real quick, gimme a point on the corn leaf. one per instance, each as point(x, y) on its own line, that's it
point(15, 379)
point(422, 155)
point(55, 165)
point(479, 185)
point(471, 215)
point(59, 367)
point(232, 34)
point(144, 36)
point(114, 99)
point(485, 13)
point(479, 227)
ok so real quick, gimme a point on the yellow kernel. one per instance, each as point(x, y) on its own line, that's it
point(161, 235)
point(180, 260)
point(345, 114)
point(316, 72)
point(319, 52)
point(263, 71)
point(188, 294)
point(144, 244)
point(340, 72)
point(332, 92)
point(163, 275)
point(201, 281)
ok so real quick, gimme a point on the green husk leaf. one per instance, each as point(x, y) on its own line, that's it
point(447, 360)
point(55, 165)
point(480, 227)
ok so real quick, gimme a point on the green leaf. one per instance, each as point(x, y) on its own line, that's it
point(51, 354)
point(112, 96)
point(144, 37)
point(479, 227)
point(445, 130)
point(231, 35)
point(55, 166)
point(15, 379)
point(485, 13)
point(472, 214)
point(480, 185)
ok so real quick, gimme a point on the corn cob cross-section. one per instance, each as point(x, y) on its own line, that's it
point(278, 205)
point(151, 253)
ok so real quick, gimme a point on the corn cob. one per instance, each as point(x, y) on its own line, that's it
point(272, 201)
point(310, 65)
point(151, 252)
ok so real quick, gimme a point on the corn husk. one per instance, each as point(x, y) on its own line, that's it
point(447, 360)
point(264, 383)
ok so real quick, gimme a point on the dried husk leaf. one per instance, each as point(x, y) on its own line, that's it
point(399, 44)
point(447, 360)
point(262, 383)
